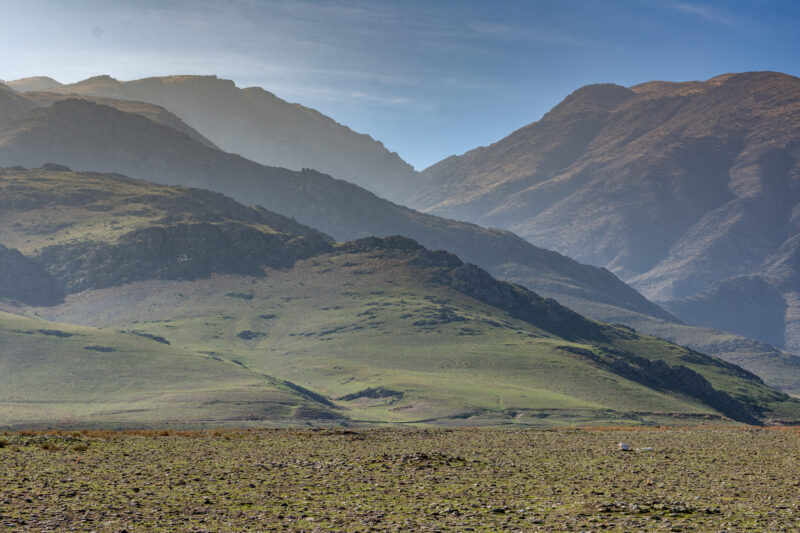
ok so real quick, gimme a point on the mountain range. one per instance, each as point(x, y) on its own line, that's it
point(145, 140)
point(687, 191)
point(104, 137)
point(258, 125)
point(254, 317)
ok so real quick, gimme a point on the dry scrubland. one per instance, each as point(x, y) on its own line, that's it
point(728, 478)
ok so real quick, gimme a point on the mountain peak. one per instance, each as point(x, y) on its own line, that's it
point(756, 75)
point(105, 78)
point(260, 126)
point(33, 83)
point(607, 96)
point(194, 79)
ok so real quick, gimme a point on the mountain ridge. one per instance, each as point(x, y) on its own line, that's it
point(346, 211)
point(258, 125)
point(674, 187)
point(341, 208)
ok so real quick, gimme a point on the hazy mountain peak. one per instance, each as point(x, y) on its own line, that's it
point(102, 78)
point(33, 83)
point(261, 91)
point(187, 80)
point(258, 125)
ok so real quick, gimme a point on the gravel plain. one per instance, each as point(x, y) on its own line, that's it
point(694, 479)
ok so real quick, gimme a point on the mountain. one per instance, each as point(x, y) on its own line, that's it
point(260, 126)
point(97, 230)
point(155, 113)
point(195, 308)
point(688, 191)
point(13, 103)
point(86, 135)
point(34, 83)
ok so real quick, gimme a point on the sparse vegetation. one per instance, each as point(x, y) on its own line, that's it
point(698, 479)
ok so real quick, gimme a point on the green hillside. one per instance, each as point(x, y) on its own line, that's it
point(244, 315)
point(57, 374)
point(379, 330)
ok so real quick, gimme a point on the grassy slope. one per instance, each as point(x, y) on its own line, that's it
point(41, 208)
point(342, 323)
point(777, 368)
point(48, 378)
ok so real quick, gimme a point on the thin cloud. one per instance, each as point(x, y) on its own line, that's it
point(345, 95)
point(701, 11)
point(520, 33)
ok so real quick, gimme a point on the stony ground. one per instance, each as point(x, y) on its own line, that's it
point(710, 479)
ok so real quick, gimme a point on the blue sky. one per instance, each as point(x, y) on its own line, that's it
point(428, 78)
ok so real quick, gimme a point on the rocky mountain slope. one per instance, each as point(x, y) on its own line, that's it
point(97, 230)
point(26, 281)
point(131, 144)
point(689, 191)
point(260, 126)
point(370, 330)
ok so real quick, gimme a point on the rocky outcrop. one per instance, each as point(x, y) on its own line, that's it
point(24, 280)
point(659, 375)
point(179, 252)
point(520, 303)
